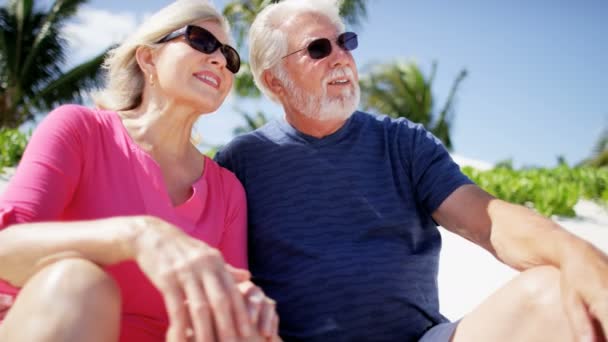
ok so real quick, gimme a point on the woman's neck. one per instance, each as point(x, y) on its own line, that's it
point(164, 131)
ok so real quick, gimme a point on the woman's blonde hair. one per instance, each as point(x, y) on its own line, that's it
point(124, 80)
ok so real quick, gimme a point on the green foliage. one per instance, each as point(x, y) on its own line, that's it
point(12, 145)
point(400, 89)
point(212, 151)
point(33, 54)
point(244, 84)
point(252, 122)
point(550, 191)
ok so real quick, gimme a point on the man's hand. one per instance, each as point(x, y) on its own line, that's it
point(585, 293)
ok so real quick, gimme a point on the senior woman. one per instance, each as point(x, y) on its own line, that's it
point(115, 226)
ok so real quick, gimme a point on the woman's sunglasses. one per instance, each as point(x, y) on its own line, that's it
point(204, 41)
point(321, 48)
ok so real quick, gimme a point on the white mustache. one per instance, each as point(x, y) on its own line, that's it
point(339, 72)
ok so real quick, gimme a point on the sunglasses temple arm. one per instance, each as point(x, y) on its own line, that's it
point(293, 53)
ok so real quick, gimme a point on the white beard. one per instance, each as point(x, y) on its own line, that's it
point(324, 107)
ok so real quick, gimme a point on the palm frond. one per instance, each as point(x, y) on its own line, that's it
point(32, 60)
point(61, 10)
point(244, 84)
point(448, 103)
point(400, 89)
point(71, 86)
point(353, 11)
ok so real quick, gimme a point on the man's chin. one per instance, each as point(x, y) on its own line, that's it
point(333, 116)
point(332, 113)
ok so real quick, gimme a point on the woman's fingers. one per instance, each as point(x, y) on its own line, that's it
point(254, 298)
point(6, 301)
point(239, 275)
point(176, 310)
point(255, 303)
point(228, 309)
point(199, 310)
point(239, 308)
point(262, 309)
point(268, 315)
point(275, 326)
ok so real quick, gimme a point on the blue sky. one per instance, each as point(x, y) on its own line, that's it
point(537, 85)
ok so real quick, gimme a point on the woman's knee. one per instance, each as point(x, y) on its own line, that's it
point(77, 280)
point(68, 300)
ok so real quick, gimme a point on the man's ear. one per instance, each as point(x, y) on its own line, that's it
point(146, 61)
point(273, 83)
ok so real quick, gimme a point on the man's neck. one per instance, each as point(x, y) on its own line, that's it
point(314, 127)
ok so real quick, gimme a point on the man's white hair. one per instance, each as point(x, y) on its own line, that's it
point(268, 42)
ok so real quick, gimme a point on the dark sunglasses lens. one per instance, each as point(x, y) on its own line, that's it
point(202, 40)
point(319, 48)
point(233, 61)
point(348, 41)
point(205, 42)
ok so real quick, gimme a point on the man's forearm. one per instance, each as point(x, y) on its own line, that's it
point(522, 238)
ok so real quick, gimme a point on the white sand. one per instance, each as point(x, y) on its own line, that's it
point(469, 274)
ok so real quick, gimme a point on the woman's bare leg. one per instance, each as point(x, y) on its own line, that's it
point(69, 300)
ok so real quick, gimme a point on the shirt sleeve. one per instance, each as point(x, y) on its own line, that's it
point(234, 240)
point(221, 157)
point(49, 170)
point(434, 174)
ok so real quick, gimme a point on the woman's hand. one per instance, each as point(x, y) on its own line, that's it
point(262, 310)
point(198, 287)
point(6, 301)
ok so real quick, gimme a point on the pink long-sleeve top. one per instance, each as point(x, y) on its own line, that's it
point(81, 164)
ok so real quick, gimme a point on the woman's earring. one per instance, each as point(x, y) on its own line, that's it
point(152, 80)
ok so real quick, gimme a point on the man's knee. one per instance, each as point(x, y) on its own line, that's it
point(528, 308)
point(540, 292)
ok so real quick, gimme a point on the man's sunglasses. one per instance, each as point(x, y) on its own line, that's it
point(321, 48)
point(204, 41)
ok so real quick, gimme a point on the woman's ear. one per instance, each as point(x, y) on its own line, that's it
point(145, 59)
point(273, 83)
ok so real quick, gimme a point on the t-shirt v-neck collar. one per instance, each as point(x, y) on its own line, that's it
point(190, 209)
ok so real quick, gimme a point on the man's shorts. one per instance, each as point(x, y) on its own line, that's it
point(440, 333)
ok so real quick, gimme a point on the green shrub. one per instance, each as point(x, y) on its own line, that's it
point(12, 145)
point(550, 191)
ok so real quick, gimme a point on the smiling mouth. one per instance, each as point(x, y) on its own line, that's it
point(339, 82)
point(208, 80)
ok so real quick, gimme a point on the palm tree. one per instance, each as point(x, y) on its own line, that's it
point(32, 57)
point(599, 157)
point(400, 89)
point(252, 122)
point(241, 13)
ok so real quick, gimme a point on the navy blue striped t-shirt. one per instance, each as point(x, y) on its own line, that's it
point(340, 228)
